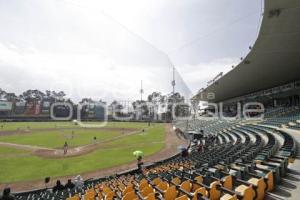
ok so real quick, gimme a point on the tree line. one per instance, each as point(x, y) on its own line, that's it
point(154, 105)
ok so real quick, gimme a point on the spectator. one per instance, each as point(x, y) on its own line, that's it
point(65, 148)
point(185, 153)
point(214, 139)
point(140, 164)
point(200, 147)
point(78, 180)
point(6, 195)
point(69, 185)
point(58, 186)
point(179, 133)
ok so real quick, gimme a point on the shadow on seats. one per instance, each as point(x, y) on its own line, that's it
point(291, 178)
point(287, 184)
point(281, 193)
point(292, 171)
point(274, 198)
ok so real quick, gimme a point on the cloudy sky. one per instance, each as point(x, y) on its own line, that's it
point(104, 48)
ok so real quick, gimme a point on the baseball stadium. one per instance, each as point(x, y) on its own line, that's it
point(94, 108)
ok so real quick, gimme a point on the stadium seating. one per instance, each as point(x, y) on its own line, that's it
point(246, 162)
point(283, 116)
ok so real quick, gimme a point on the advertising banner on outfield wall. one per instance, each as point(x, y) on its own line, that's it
point(46, 107)
point(91, 110)
point(5, 106)
point(100, 113)
point(20, 108)
point(32, 109)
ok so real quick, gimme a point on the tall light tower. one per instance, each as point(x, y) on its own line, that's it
point(141, 90)
point(173, 81)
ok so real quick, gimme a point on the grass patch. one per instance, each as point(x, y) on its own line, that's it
point(30, 167)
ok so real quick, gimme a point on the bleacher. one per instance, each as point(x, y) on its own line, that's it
point(246, 162)
point(283, 116)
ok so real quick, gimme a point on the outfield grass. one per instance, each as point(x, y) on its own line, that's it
point(29, 167)
point(56, 139)
point(6, 150)
point(14, 126)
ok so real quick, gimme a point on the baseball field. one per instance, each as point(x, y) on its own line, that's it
point(34, 150)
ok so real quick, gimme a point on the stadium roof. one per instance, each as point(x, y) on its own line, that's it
point(274, 59)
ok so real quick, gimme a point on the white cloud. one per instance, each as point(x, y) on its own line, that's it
point(71, 45)
point(79, 75)
point(196, 76)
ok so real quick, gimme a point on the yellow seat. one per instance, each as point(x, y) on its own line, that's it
point(214, 192)
point(176, 181)
point(228, 197)
point(106, 189)
point(130, 196)
point(146, 191)
point(127, 189)
point(143, 181)
point(228, 183)
point(261, 186)
point(157, 181)
point(74, 198)
point(150, 197)
point(199, 179)
point(163, 186)
point(122, 186)
point(90, 194)
point(183, 197)
point(88, 197)
point(109, 196)
point(143, 185)
point(247, 192)
point(171, 193)
point(270, 181)
point(186, 185)
point(201, 191)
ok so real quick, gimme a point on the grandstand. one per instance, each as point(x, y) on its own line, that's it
point(246, 162)
point(248, 159)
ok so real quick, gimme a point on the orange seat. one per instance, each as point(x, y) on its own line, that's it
point(163, 186)
point(150, 197)
point(146, 191)
point(157, 181)
point(127, 189)
point(201, 191)
point(186, 185)
point(74, 198)
point(171, 193)
point(176, 181)
point(184, 197)
point(130, 196)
